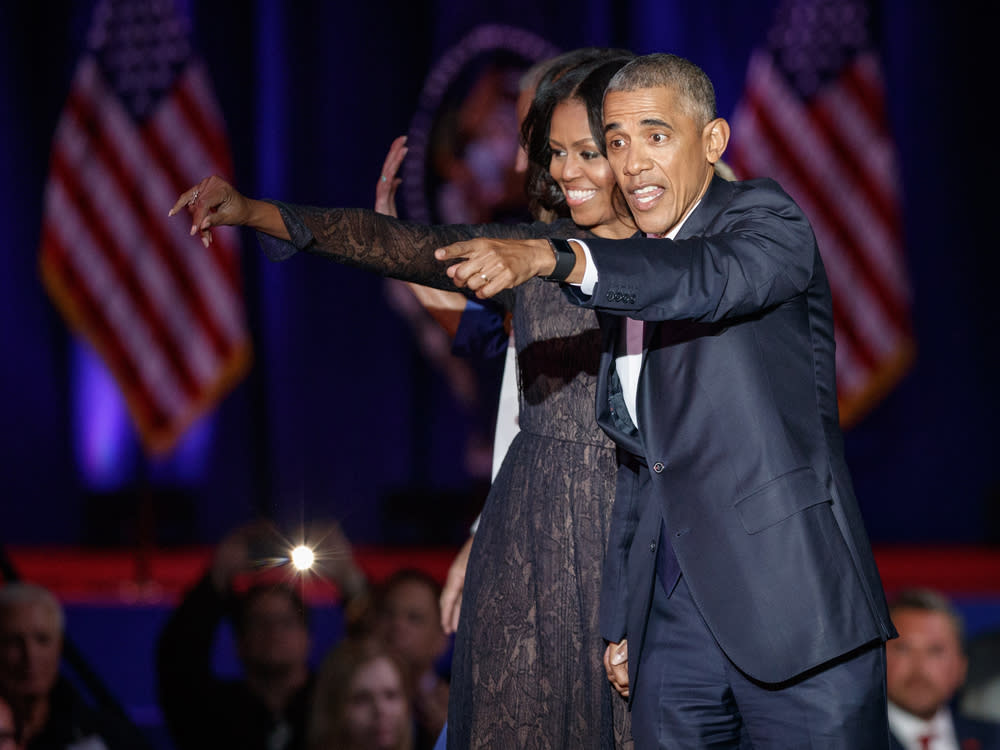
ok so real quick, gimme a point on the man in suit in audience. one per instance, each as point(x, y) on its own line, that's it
point(926, 666)
point(981, 693)
point(51, 714)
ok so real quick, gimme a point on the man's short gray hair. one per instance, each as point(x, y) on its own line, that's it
point(16, 594)
point(670, 71)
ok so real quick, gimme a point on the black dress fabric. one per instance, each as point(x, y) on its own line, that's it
point(527, 669)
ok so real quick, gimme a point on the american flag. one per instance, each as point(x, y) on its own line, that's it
point(813, 117)
point(141, 124)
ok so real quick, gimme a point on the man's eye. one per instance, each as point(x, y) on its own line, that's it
point(658, 138)
point(615, 143)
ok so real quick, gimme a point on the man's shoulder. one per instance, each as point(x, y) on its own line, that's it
point(967, 727)
point(753, 190)
point(732, 202)
point(75, 723)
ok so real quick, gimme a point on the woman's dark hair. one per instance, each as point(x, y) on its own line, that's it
point(585, 83)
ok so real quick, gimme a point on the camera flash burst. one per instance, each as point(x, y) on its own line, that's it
point(303, 557)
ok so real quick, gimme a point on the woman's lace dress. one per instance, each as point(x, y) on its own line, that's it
point(527, 669)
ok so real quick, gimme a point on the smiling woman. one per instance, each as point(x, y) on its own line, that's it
point(569, 174)
point(533, 579)
point(582, 173)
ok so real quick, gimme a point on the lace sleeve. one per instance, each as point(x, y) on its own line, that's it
point(389, 247)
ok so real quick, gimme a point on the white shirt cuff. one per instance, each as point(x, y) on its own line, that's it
point(589, 281)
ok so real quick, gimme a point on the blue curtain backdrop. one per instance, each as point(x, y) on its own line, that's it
point(313, 93)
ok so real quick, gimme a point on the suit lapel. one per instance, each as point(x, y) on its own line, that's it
point(718, 194)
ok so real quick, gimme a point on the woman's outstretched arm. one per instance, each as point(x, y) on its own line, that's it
point(351, 236)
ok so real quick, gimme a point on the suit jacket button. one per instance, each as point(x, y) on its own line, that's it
point(652, 546)
point(658, 467)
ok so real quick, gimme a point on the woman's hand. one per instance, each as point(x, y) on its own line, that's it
point(214, 202)
point(234, 554)
point(388, 183)
point(454, 585)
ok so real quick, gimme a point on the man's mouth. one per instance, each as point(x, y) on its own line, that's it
point(645, 196)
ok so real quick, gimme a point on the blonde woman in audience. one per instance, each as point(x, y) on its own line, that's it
point(360, 701)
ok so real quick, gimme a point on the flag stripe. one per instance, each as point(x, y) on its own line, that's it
point(851, 362)
point(112, 142)
point(847, 114)
point(188, 266)
point(860, 319)
point(198, 108)
point(812, 116)
point(111, 314)
point(121, 277)
point(876, 162)
point(808, 154)
point(871, 317)
point(795, 179)
point(855, 270)
point(139, 125)
point(131, 249)
point(166, 137)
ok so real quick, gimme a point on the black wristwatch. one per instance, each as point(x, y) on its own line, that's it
point(565, 260)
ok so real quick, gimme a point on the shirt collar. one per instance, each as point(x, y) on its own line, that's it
point(672, 234)
point(909, 728)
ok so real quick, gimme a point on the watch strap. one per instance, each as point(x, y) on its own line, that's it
point(565, 260)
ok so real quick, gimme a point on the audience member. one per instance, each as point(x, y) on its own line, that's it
point(268, 706)
point(981, 694)
point(361, 701)
point(52, 715)
point(407, 618)
point(925, 668)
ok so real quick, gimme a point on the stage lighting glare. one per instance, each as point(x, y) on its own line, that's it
point(303, 557)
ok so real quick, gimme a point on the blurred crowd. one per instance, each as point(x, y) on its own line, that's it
point(384, 685)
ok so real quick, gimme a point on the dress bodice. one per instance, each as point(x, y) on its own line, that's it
point(558, 352)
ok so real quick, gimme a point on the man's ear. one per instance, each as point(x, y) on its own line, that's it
point(715, 136)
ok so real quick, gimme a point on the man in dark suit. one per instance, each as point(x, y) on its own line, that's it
point(926, 666)
point(741, 602)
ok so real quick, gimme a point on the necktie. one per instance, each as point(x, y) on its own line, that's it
point(628, 361)
point(633, 336)
point(925, 741)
